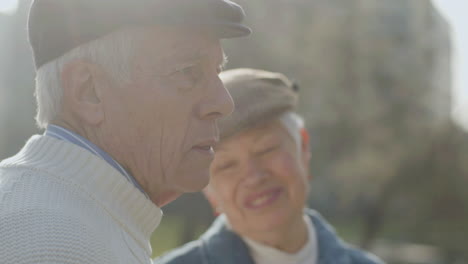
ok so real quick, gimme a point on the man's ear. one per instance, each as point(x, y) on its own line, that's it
point(81, 83)
point(305, 151)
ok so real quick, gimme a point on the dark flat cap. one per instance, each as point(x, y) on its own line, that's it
point(58, 26)
point(259, 96)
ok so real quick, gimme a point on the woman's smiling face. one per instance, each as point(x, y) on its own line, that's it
point(259, 179)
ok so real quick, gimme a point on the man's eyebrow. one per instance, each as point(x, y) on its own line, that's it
point(199, 55)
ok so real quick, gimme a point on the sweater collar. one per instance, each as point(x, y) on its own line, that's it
point(61, 133)
point(96, 179)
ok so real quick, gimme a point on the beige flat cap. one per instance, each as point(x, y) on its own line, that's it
point(259, 96)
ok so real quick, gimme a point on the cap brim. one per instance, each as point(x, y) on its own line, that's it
point(227, 31)
point(223, 30)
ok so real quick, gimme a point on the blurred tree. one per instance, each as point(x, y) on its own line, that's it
point(376, 92)
point(427, 197)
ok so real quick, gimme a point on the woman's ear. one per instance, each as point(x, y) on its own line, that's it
point(305, 151)
point(211, 197)
point(81, 93)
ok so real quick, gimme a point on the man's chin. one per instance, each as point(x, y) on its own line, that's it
point(165, 198)
point(180, 184)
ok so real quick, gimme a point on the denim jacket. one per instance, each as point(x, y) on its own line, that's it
point(219, 245)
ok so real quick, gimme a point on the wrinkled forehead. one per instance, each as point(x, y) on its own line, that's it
point(165, 45)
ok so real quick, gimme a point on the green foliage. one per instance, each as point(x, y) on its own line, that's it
point(167, 235)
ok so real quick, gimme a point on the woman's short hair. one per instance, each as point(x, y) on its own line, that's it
point(294, 124)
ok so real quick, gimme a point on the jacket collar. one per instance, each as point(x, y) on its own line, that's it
point(221, 245)
point(331, 249)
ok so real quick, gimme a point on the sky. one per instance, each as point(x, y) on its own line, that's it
point(8, 6)
point(455, 12)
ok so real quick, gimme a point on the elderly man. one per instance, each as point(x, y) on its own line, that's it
point(129, 94)
point(259, 182)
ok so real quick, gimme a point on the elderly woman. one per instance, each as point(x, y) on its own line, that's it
point(259, 184)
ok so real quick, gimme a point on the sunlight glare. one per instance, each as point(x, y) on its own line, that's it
point(8, 6)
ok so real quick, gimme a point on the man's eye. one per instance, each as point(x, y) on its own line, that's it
point(185, 70)
point(189, 70)
point(186, 77)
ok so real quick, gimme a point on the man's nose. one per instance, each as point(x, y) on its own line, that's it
point(218, 102)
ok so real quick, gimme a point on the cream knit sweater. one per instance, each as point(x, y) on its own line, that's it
point(59, 203)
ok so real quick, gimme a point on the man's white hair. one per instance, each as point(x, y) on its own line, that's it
point(293, 123)
point(113, 52)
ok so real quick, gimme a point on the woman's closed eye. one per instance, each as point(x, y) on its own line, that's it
point(225, 166)
point(267, 150)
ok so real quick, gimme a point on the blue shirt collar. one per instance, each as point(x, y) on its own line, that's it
point(69, 136)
